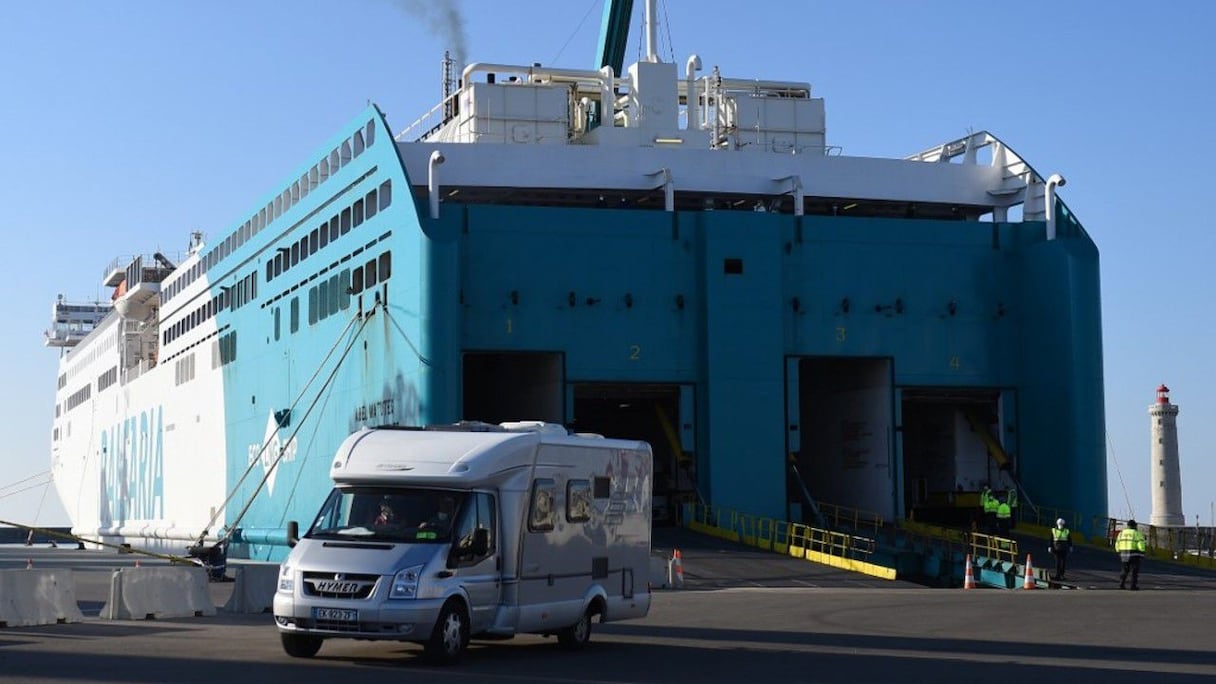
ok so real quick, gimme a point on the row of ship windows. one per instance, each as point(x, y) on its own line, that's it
point(107, 378)
point(79, 397)
point(79, 362)
point(233, 298)
point(327, 297)
point(332, 295)
point(365, 276)
point(324, 169)
point(338, 225)
point(223, 352)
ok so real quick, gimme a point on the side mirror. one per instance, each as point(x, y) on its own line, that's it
point(481, 542)
point(293, 532)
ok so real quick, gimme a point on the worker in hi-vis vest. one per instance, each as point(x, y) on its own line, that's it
point(1061, 546)
point(1003, 517)
point(990, 505)
point(1130, 546)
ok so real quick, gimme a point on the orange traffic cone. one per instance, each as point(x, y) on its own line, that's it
point(1028, 583)
point(969, 575)
point(677, 565)
point(29, 563)
point(137, 564)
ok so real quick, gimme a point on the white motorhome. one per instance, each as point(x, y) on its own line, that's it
point(435, 535)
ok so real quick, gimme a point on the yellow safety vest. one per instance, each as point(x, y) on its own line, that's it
point(1059, 534)
point(1130, 541)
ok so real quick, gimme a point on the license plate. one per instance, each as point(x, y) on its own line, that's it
point(335, 614)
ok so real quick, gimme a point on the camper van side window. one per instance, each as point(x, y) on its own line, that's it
point(578, 501)
point(540, 514)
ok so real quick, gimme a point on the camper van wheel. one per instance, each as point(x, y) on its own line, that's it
point(300, 645)
point(577, 635)
point(450, 636)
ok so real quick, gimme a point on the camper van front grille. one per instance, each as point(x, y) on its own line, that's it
point(339, 585)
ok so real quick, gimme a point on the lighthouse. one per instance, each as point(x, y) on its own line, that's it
point(1166, 477)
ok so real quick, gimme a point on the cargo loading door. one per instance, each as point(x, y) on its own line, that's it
point(951, 451)
point(506, 386)
point(845, 432)
point(658, 414)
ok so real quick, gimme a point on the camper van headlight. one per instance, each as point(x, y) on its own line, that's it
point(287, 578)
point(405, 583)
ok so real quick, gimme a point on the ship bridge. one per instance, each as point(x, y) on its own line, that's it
point(72, 322)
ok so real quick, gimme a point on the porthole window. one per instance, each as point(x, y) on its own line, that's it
point(386, 194)
point(344, 289)
point(369, 274)
point(386, 266)
point(370, 204)
point(334, 298)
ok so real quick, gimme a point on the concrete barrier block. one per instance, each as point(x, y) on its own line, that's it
point(162, 592)
point(37, 597)
point(254, 589)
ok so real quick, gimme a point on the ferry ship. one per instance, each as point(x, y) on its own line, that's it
point(662, 251)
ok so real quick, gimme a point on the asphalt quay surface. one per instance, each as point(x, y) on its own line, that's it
point(781, 622)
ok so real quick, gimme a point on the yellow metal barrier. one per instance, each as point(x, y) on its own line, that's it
point(855, 518)
point(991, 546)
point(836, 549)
point(1190, 545)
point(936, 536)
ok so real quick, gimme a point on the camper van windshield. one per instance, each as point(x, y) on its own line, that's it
point(392, 514)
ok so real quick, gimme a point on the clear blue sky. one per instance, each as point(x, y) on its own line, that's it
point(127, 125)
